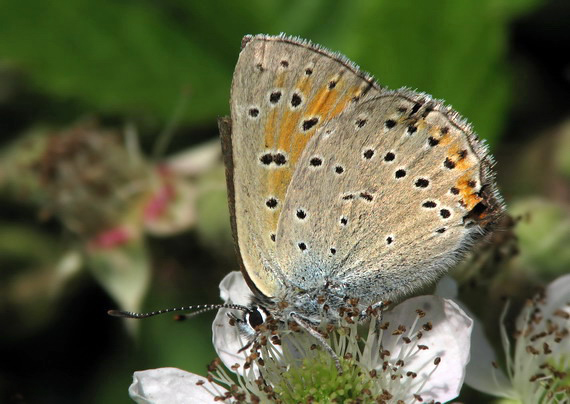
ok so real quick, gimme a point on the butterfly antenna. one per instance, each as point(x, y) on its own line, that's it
point(181, 317)
point(201, 308)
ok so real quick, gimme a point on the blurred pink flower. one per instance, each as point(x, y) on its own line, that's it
point(110, 238)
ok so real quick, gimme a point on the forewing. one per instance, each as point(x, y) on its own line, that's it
point(283, 91)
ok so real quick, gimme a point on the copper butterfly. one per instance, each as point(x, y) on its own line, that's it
point(340, 188)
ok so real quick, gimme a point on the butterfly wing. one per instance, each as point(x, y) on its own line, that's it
point(283, 91)
point(403, 187)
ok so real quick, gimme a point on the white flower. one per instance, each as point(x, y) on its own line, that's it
point(171, 385)
point(538, 366)
point(422, 356)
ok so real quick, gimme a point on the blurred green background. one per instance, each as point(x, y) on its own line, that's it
point(111, 184)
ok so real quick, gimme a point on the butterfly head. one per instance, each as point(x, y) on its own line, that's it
point(326, 304)
point(249, 323)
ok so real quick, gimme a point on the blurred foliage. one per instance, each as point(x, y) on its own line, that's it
point(107, 224)
point(544, 236)
point(134, 57)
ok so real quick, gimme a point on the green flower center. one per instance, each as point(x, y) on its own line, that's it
point(316, 380)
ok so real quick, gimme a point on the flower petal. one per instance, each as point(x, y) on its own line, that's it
point(557, 309)
point(481, 374)
point(448, 339)
point(557, 296)
point(447, 288)
point(171, 386)
point(233, 289)
point(225, 337)
point(227, 341)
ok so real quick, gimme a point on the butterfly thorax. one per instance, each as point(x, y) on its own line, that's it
point(315, 306)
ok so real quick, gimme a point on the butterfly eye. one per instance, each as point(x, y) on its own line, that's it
point(255, 317)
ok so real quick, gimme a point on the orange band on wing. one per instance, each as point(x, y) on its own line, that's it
point(469, 197)
point(289, 137)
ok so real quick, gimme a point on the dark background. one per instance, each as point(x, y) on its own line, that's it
point(100, 67)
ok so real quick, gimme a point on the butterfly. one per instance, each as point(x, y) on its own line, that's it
point(339, 188)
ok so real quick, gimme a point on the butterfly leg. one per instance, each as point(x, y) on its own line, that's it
point(246, 346)
point(376, 307)
point(307, 327)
